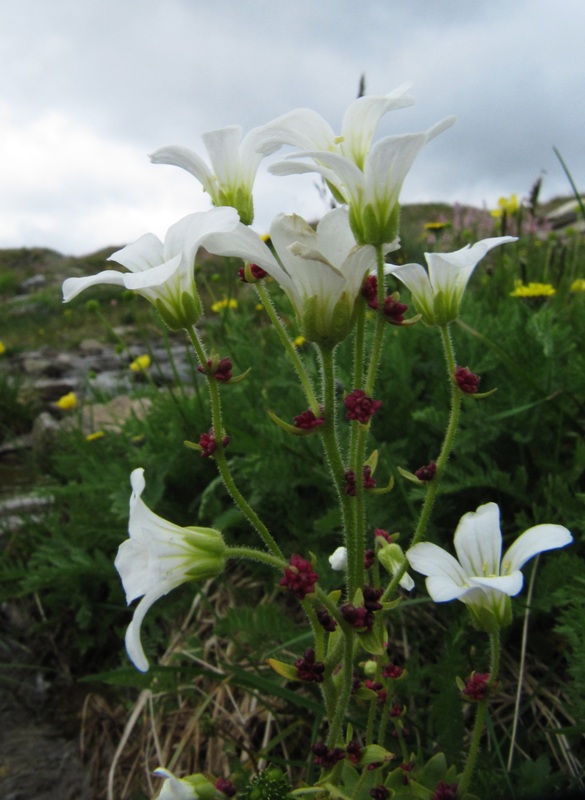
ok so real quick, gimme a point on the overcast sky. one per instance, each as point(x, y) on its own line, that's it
point(89, 87)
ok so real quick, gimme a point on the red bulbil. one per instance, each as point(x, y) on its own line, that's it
point(370, 291)
point(369, 558)
point(383, 535)
point(360, 407)
point(307, 420)
point(326, 757)
point(225, 786)
point(300, 577)
point(379, 792)
point(308, 669)
point(476, 686)
point(445, 791)
point(208, 443)
point(466, 380)
point(221, 372)
point(354, 752)
point(326, 620)
point(392, 671)
point(257, 273)
point(368, 481)
point(394, 310)
point(426, 473)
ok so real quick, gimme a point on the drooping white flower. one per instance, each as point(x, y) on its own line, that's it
point(234, 164)
point(437, 293)
point(338, 559)
point(481, 578)
point(158, 557)
point(391, 556)
point(163, 273)
point(321, 271)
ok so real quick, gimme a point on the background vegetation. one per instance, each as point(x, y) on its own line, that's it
point(211, 699)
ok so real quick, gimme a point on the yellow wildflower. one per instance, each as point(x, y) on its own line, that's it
point(578, 285)
point(533, 290)
point(2, 348)
point(140, 364)
point(225, 303)
point(506, 205)
point(436, 226)
point(91, 437)
point(259, 307)
point(67, 402)
point(299, 341)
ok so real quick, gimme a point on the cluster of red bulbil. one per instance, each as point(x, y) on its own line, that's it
point(392, 671)
point(208, 443)
point(327, 757)
point(379, 532)
point(326, 620)
point(308, 669)
point(476, 686)
point(394, 310)
point(406, 768)
point(370, 291)
point(369, 558)
point(362, 617)
point(377, 687)
point(225, 786)
point(445, 791)
point(257, 273)
point(360, 406)
point(426, 473)
point(300, 577)
point(379, 792)
point(221, 372)
point(466, 380)
point(354, 752)
point(307, 420)
point(369, 482)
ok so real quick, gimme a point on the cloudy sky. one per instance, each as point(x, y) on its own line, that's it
point(89, 87)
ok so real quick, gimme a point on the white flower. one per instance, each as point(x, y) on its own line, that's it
point(437, 294)
point(234, 164)
point(307, 130)
point(481, 578)
point(163, 273)
point(190, 788)
point(367, 177)
point(338, 559)
point(158, 557)
point(321, 271)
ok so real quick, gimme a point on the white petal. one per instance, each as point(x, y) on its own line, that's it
point(507, 584)
point(406, 582)
point(141, 255)
point(433, 561)
point(74, 286)
point(188, 160)
point(152, 278)
point(242, 242)
point(443, 589)
point(363, 116)
point(338, 559)
point(478, 541)
point(173, 788)
point(533, 541)
point(133, 644)
point(192, 232)
point(223, 146)
point(416, 280)
point(302, 128)
point(131, 563)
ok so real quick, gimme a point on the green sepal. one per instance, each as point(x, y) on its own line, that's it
point(373, 754)
point(334, 596)
point(193, 446)
point(286, 426)
point(382, 489)
point(287, 671)
point(238, 378)
point(363, 693)
point(410, 476)
point(372, 643)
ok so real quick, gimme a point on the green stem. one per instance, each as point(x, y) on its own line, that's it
point(336, 724)
point(290, 349)
point(219, 454)
point(447, 446)
point(256, 555)
point(480, 715)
